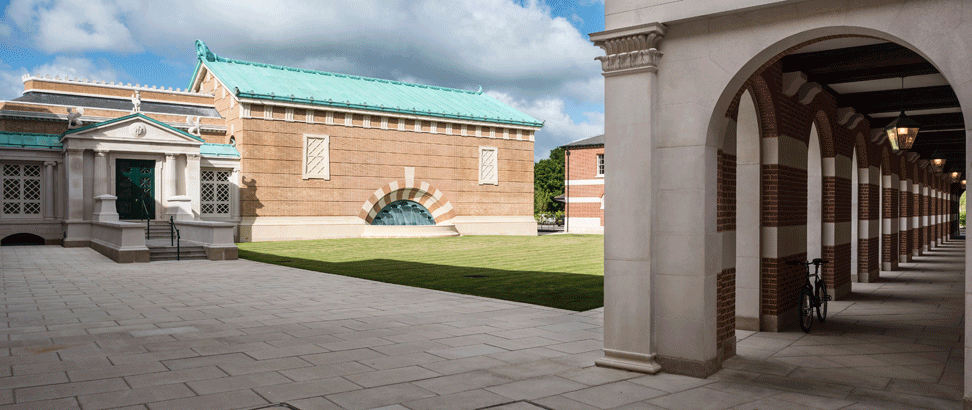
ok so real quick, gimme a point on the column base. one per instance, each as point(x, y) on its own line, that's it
point(905, 258)
point(747, 323)
point(868, 277)
point(632, 362)
point(693, 368)
point(840, 292)
point(778, 323)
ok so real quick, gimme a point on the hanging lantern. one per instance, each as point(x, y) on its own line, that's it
point(902, 132)
point(963, 183)
point(955, 176)
point(938, 164)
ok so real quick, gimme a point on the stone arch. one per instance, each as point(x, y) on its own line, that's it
point(22, 238)
point(406, 189)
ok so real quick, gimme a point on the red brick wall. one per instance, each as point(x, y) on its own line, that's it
point(583, 165)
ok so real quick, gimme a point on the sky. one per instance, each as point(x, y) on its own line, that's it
point(534, 55)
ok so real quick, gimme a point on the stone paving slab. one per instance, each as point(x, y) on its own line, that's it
point(78, 331)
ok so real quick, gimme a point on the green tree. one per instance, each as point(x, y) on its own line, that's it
point(548, 182)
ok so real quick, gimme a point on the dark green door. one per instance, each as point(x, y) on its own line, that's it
point(135, 188)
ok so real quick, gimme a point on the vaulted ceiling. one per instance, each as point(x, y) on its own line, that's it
point(866, 74)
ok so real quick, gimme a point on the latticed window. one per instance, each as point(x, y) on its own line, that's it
point(215, 192)
point(21, 189)
point(317, 161)
point(488, 174)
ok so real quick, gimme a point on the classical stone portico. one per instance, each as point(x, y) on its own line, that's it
point(716, 108)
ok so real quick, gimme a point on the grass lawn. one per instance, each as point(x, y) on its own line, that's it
point(561, 271)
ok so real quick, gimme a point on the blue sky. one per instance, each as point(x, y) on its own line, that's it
point(532, 54)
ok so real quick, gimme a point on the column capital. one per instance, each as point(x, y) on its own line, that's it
point(193, 157)
point(74, 151)
point(630, 50)
point(50, 163)
point(169, 156)
point(101, 152)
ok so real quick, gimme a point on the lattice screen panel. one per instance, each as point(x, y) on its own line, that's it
point(21, 189)
point(215, 192)
point(317, 161)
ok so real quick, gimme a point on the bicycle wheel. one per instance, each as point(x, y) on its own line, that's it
point(806, 309)
point(822, 307)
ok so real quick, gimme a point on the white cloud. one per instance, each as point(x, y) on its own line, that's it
point(12, 85)
point(558, 128)
point(74, 25)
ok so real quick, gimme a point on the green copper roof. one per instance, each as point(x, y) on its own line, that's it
point(218, 150)
point(120, 119)
point(277, 83)
point(29, 140)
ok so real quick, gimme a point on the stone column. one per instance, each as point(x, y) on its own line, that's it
point(74, 161)
point(50, 194)
point(169, 180)
point(630, 83)
point(192, 182)
point(100, 172)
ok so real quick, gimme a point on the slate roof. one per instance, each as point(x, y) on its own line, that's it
point(277, 83)
point(115, 104)
point(597, 141)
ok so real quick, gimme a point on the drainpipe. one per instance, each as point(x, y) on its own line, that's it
point(567, 193)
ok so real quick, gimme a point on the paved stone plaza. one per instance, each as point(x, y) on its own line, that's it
point(80, 331)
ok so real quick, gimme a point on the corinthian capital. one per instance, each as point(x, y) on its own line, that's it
point(631, 49)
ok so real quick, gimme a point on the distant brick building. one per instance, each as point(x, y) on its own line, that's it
point(278, 152)
point(585, 185)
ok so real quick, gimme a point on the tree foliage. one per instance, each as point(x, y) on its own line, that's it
point(548, 182)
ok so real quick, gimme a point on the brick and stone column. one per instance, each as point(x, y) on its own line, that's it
point(869, 224)
point(916, 219)
point(925, 218)
point(836, 224)
point(889, 222)
point(630, 81)
point(904, 221)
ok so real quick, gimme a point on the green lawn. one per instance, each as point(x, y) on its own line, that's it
point(561, 271)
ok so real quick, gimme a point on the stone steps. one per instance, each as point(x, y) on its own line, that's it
point(168, 253)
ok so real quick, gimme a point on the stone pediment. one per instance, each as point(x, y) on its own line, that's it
point(135, 128)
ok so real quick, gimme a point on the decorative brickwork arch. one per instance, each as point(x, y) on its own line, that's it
point(406, 189)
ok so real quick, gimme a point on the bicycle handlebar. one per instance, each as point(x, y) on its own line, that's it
point(816, 261)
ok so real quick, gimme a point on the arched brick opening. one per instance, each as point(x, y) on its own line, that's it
point(419, 191)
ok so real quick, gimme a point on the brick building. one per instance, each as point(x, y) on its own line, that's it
point(271, 152)
point(584, 181)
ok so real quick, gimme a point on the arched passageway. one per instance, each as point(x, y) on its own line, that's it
point(19, 239)
point(801, 78)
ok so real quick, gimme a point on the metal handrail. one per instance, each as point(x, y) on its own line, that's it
point(177, 238)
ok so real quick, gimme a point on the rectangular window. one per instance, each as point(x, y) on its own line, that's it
point(21, 189)
point(317, 160)
point(488, 172)
point(600, 165)
point(215, 192)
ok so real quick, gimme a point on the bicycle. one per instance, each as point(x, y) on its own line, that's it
point(812, 295)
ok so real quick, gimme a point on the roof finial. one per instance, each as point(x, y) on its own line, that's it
point(202, 52)
point(480, 90)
